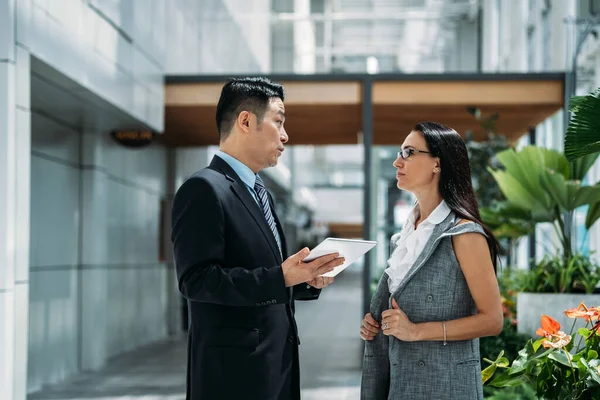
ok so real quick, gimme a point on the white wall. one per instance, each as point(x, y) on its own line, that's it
point(76, 37)
point(14, 207)
point(98, 286)
point(55, 219)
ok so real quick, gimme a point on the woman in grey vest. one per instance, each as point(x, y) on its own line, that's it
point(439, 293)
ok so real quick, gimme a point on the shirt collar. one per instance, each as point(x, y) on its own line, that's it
point(437, 216)
point(245, 173)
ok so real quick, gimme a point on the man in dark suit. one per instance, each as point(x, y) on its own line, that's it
point(231, 259)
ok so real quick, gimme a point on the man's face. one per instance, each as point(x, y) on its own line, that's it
point(270, 135)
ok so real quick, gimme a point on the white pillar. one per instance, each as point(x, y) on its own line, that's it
point(15, 162)
point(22, 218)
point(94, 251)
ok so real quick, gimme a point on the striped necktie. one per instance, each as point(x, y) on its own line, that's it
point(263, 197)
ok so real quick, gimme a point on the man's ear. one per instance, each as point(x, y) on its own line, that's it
point(244, 121)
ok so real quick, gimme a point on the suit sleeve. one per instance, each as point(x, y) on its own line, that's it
point(304, 291)
point(198, 236)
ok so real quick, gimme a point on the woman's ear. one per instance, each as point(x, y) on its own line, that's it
point(436, 167)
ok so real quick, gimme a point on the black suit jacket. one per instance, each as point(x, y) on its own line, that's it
point(243, 337)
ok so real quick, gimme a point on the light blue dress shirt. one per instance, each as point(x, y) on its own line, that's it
point(247, 176)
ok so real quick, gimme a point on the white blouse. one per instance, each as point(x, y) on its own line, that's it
point(411, 242)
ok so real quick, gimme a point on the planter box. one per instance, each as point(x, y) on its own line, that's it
point(531, 306)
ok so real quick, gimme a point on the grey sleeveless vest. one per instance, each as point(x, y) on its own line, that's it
point(434, 289)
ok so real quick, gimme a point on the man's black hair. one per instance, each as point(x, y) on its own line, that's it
point(250, 94)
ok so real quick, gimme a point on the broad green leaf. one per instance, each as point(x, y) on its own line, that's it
point(488, 372)
point(592, 367)
point(556, 161)
point(510, 210)
point(507, 220)
point(592, 354)
point(526, 165)
point(587, 195)
point(592, 215)
point(580, 167)
point(512, 231)
point(519, 365)
point(584, 332)
point(506, 379)
point(556, 186)
point(536, 345)
point(561, 357)
point(517, 194)
point(520, 181)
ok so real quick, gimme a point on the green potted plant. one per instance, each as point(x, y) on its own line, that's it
point(541, 186)
point(558, 365)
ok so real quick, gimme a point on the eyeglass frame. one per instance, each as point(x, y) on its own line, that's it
point(410, 149)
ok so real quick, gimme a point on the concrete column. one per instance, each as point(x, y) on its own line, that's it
point(22, 218)
point(94, 251)
point(15, 162)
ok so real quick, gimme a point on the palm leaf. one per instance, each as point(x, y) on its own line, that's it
point(580, 167)
point(587, 195)
point(520, 182)
point(517, 194)
point(583, 132)
point(575, 102)
point(593, 215)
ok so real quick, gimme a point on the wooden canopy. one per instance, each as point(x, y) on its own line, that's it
point(326, 110)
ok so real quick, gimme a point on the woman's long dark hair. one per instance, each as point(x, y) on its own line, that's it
point(456, 187)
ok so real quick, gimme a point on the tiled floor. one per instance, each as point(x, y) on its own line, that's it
point(330, 357)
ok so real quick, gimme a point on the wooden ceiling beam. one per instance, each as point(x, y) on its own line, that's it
point(324, 112)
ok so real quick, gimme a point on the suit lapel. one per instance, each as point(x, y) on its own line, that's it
point(240, 189)
point(432, 243)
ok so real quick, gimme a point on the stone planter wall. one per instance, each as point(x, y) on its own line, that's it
point(531, 306)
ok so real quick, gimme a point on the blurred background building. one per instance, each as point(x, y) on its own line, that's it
point(85, 267)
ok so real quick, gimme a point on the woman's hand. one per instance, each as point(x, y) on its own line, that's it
point(394, 322)
point(369, 328)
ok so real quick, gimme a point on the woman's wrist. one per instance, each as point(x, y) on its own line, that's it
point(416, 333)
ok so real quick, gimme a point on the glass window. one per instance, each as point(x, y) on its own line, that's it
point(531, 49)
point(546, 40)
point(595, 7)
point(500, 19)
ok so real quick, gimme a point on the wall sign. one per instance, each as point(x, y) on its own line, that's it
point(133, 138)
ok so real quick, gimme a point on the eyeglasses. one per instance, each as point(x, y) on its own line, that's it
point(407, 152)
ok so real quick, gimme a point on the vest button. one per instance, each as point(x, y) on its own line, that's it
point(421, 364)
point(429, 297)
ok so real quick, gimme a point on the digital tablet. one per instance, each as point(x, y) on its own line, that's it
point(350, 249)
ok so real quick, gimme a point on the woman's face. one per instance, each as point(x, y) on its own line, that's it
point(418, 170)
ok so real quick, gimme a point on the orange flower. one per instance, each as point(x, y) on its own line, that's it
point(554, 337)
point(591, 313)
point(549, 327)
